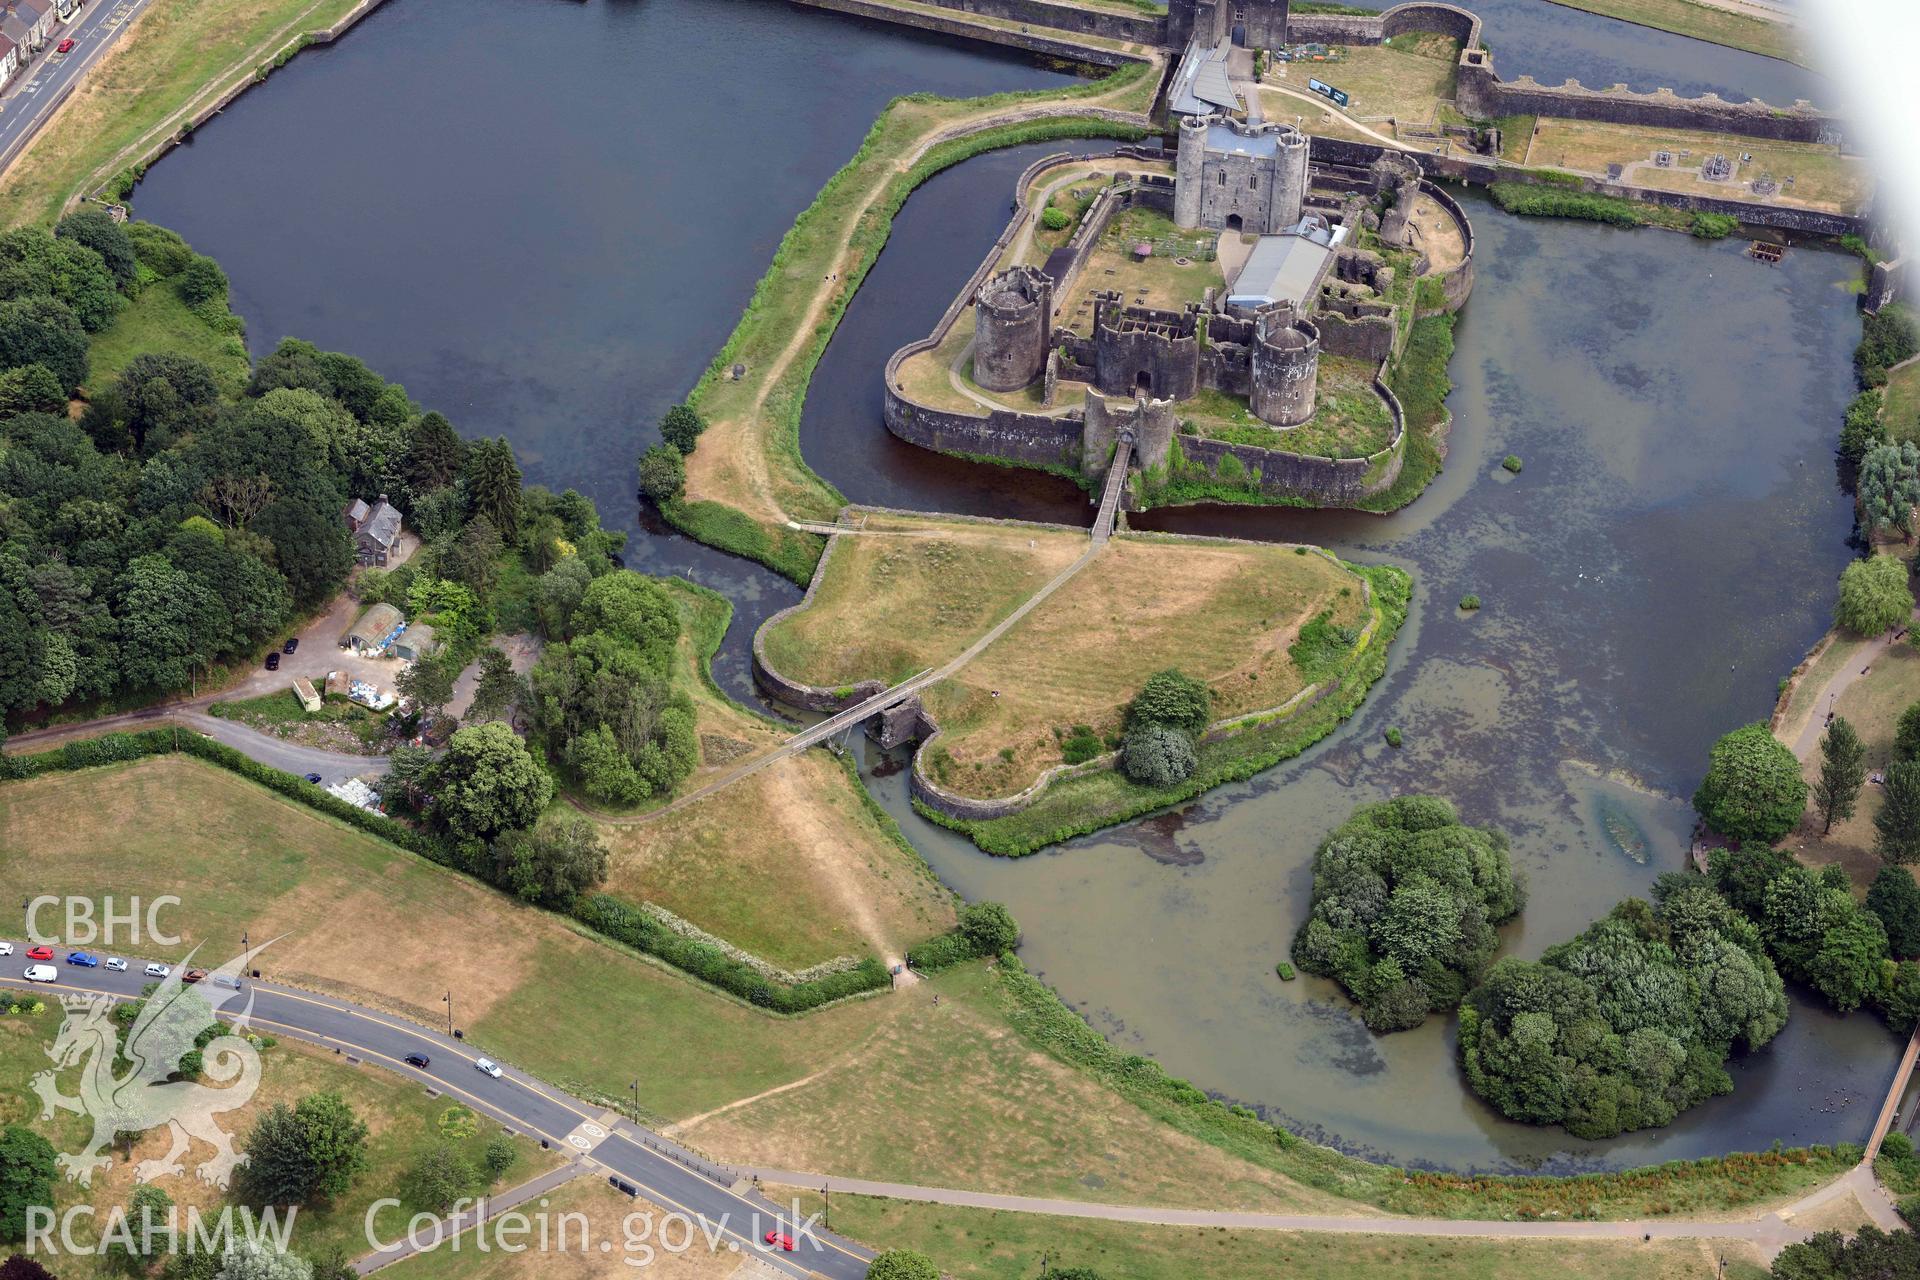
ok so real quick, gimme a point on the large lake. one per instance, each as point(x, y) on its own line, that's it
point(544, 219)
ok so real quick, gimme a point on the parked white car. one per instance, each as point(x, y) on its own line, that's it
point(116, 964)
point(42, 973)
point(156, 970)
point(6, 948)
point(488, 1066)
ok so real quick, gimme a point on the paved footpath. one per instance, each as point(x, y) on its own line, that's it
point(488, 1209)
point(1770, 1232)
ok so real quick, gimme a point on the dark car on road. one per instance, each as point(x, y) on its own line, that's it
point(290, 645)
point(273, 662)
point(313, 778)
point(194, 975)
point(419, 1060)
point(84, 959)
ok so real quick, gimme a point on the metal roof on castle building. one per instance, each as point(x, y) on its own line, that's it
point(1283, 268)
point(1201, 85)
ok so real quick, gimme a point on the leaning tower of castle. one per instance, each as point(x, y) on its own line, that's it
point(1013, 327)
point(1290, 179)
point(1286, 362)
point(1190, 171)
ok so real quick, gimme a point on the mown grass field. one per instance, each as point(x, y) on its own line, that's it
point(1900, 409)
point(178, 54)
point(369, 922)
point(158, 321)
point(981, 1244)
point(893, 605)
point(1872, 704)
point(1223, 613)
point(1704, 22)
point(911, 593)
point(403, 1121)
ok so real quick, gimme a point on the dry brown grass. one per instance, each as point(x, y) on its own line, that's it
point(786, 863)
point(911, 593)
point(948, 1094)
point(178, 53)
point(1406, 81)
point(1223, 613)
point(389, 930)
point(1823, 178)
point(1437, 235)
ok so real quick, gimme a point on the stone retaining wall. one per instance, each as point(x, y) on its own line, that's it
point(1340, 28)
point(1058, 44)
point(1484, 172)
point(1141, 28)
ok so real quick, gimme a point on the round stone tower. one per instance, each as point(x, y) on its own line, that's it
point(1013, 327)
point(1286, 360)
point(1289, 177)
point(1190, 172)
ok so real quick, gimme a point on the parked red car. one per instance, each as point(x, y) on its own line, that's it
point(784, 1241)
point(65, 46)
point(194, 975)
point(40, 953)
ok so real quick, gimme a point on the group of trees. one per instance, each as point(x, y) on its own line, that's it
point(442, 1175)
point(1162, 727)
point(175, 527)
point(663, 467)
point(1820, 935)
point(1869, 1254)
point(1629, 1024)
point(1405, 900)
point(604, 697)
point(305, 1154)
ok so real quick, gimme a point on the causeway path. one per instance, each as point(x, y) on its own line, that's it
point(675, 1178)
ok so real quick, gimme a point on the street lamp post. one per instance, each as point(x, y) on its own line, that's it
point(448, 999)
point(634, 1089)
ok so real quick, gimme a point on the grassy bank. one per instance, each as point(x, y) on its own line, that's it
point(748, 478)
point(984, 1244)
point(1078, 805)
point(1557, 200)
point(1696, 1187)
point(1421, 384)
point(178, 56)
point(1702, 22)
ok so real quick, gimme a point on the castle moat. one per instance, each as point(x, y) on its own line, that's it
point(1664, 557)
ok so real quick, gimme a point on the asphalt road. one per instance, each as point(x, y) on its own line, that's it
point(43, 86)
point(663, 1172)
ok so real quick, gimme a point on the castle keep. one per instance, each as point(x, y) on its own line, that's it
point(1235, 177)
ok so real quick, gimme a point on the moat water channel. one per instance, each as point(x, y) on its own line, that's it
point(541, 220)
